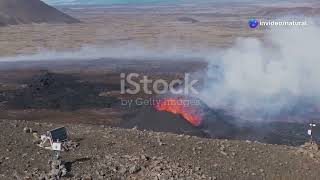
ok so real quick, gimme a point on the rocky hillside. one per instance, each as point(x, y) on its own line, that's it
point(98, 152)
point(14, 12)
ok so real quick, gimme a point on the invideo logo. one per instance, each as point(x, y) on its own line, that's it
point(253, 23)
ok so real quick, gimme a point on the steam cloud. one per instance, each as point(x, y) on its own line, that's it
point(267, 78)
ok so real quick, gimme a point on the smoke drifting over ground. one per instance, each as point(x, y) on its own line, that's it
point(129, 52)
point(268, 78)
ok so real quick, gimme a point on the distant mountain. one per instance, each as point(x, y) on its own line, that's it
point(14, 12)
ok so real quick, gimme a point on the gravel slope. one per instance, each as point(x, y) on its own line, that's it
point(110, 153)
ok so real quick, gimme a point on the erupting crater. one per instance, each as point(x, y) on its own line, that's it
point(187, 108)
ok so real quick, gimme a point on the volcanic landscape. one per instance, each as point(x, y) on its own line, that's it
point(63, 92)
point(69, 75)
point(112, 141)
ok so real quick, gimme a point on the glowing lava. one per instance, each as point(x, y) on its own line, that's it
point(182, 107)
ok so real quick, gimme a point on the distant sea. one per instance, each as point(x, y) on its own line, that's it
point(105, 2)
point(109, 2)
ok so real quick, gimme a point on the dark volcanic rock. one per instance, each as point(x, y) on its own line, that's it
point(219, 124)
point(14, 12)
point(187, 19)
point(58, 91)
point(150, 119)
point(215, 123)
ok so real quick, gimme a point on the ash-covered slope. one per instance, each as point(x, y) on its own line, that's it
point(14, 12)
point(114, 153)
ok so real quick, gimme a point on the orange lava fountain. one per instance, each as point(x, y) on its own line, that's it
point(177, 106)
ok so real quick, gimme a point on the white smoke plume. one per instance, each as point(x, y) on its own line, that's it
point(267, 77)
point(131, 51)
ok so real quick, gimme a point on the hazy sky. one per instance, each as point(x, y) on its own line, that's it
point(77, 2)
